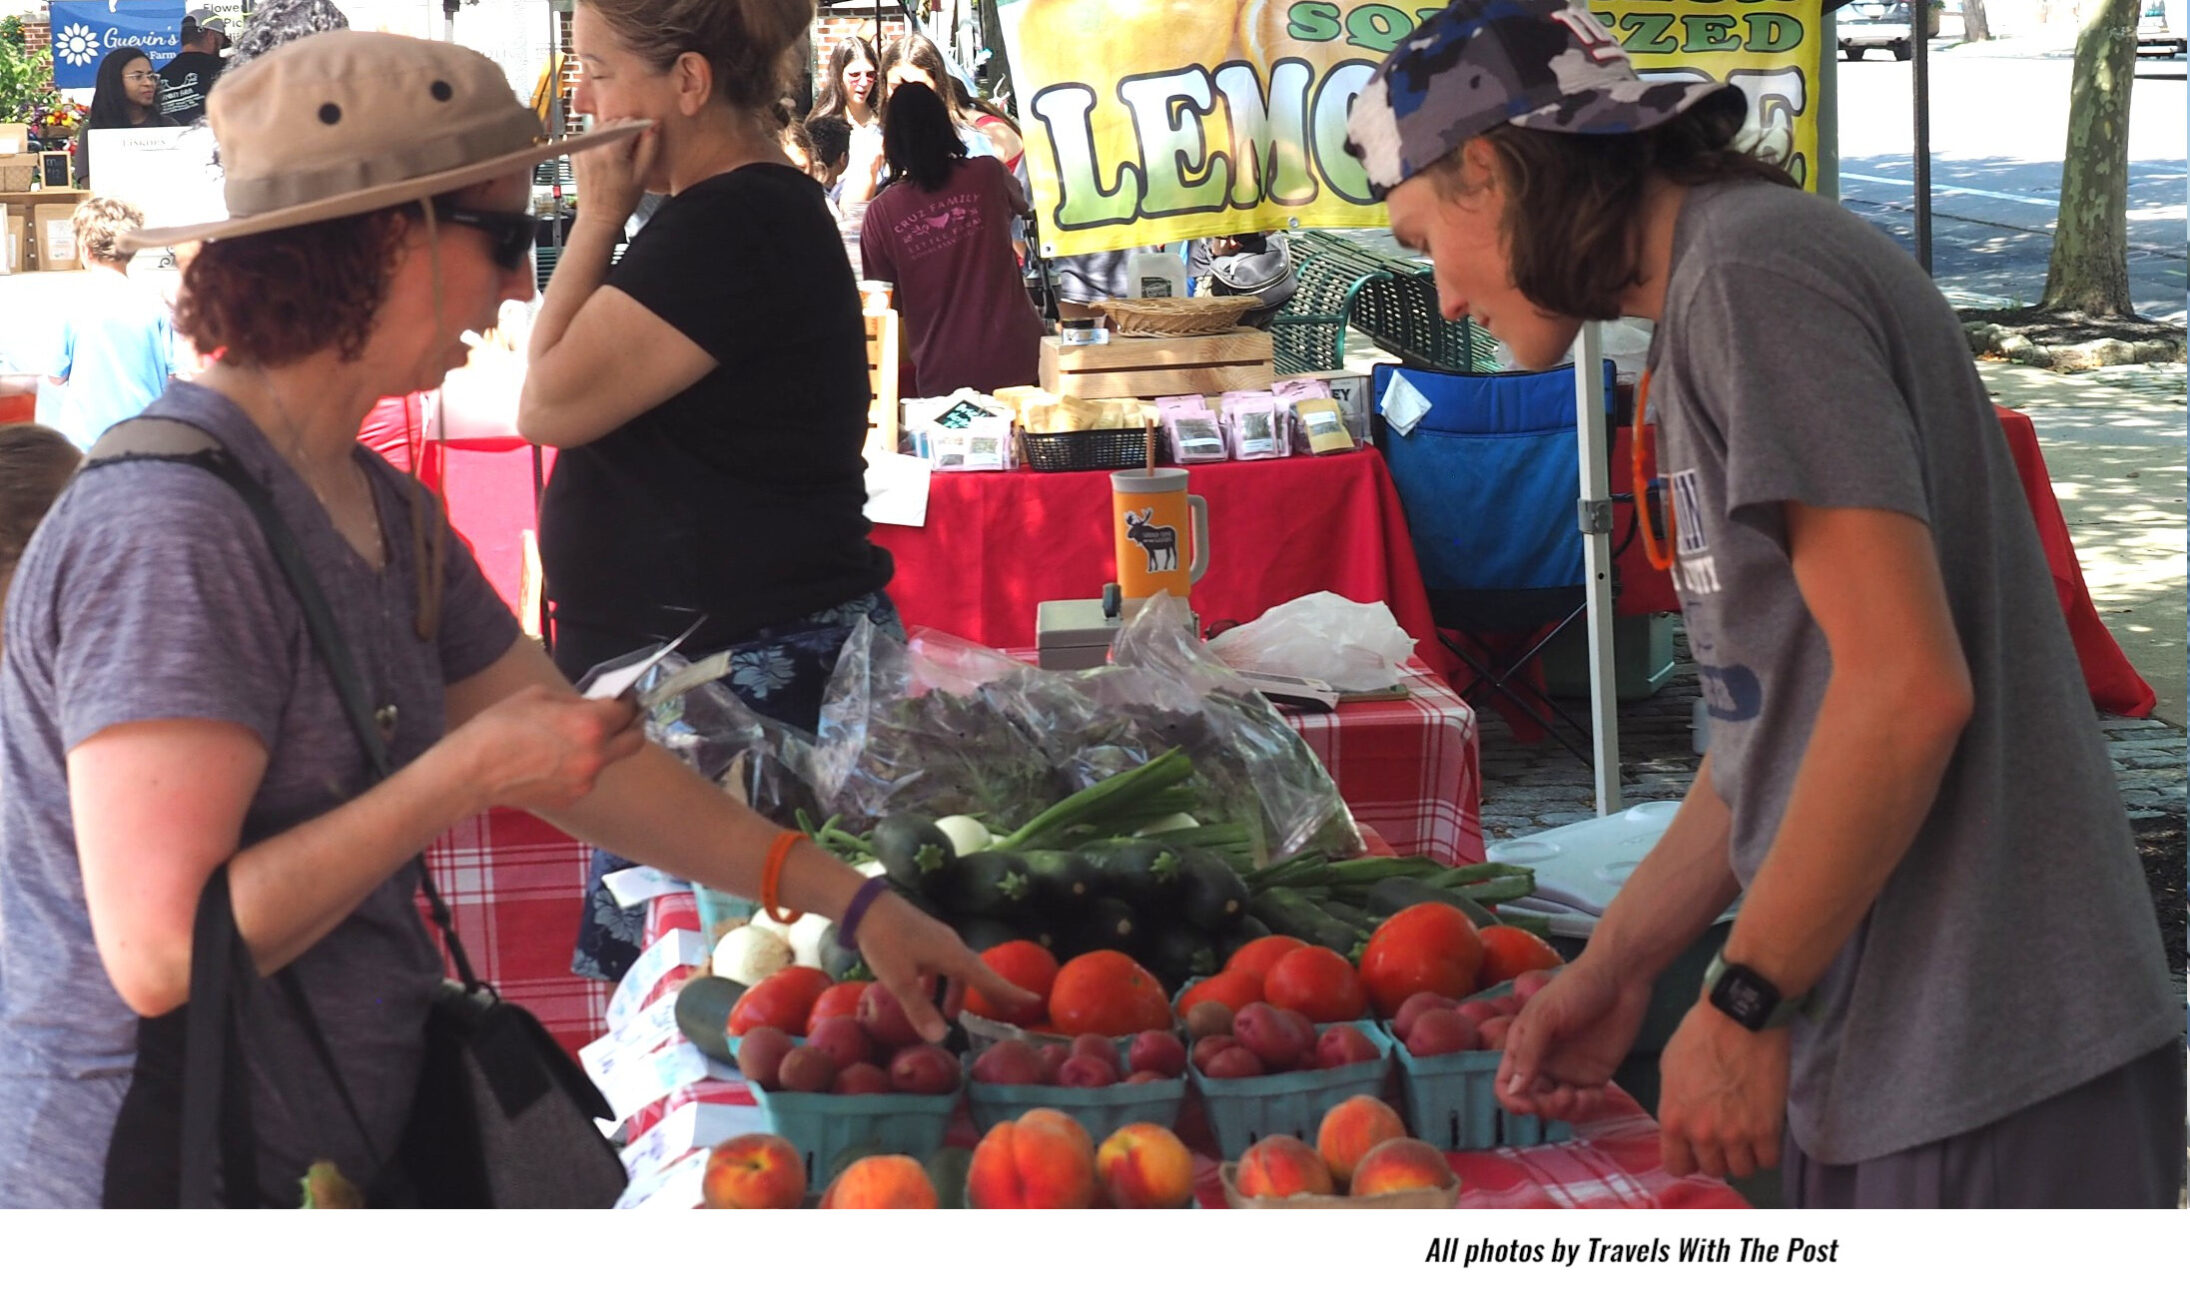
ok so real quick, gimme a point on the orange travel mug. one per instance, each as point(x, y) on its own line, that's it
point(1154, 520)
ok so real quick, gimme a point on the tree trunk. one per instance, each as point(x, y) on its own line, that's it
point(2089, 270)
point(1974, 26)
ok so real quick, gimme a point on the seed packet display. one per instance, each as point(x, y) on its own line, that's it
point(1250, 420)
point(1323, 426)
point(1190, 427)
point(1288, 394)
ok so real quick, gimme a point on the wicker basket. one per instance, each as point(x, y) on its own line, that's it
point(1113, 448)
point(1174, 316)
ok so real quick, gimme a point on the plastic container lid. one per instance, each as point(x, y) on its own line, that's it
point(1580, 867)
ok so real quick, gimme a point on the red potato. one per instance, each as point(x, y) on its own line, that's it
point(1438, 1032)
point(1009, 1062)
point(1234, 1063)
point(861, 1078)
point(1278, 1038)
point(1477, 1010)
point(807, 1069)
point(760, 1056)
point(1403, 1020)
point(924, 1068)
point(1494, 1033)
point(1053, 1057)
point(1157, 1050)
point(1208, 1018)
point(1343, 1045)
point(884, 1018)
point(1087, 1072)
point(1098, 1046)
point(843, 1039)
point(1211, 1046)
point(1508, 1005)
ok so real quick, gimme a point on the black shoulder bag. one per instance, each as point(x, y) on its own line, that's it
point(503, 1118)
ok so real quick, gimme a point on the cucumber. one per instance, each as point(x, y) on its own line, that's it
point(1286, 913)
point(912, 850)
point(1211, 895)
point(1393, 894)
point(1356, 918)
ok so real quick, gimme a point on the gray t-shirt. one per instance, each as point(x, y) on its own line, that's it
point(2013, 954)
point(149, 593)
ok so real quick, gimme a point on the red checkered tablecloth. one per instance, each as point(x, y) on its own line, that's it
point(1411, 767)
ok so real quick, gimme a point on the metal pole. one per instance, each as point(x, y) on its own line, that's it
point(1920, 50)
point(1596, 522)
point(1827, 167)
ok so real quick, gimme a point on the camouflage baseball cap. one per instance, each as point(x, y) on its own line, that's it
point(1543, 64)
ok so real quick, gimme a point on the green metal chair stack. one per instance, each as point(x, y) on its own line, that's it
point(1393, 299)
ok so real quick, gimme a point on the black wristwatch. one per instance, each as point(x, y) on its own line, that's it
point(1752, 1001)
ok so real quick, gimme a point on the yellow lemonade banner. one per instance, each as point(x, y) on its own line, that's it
point(1150, 121)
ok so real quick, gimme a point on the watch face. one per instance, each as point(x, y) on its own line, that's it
point(1745, 996)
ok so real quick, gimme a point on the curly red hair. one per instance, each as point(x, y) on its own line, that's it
point(277, 297)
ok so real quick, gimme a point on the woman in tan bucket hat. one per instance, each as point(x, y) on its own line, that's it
point(163, 709)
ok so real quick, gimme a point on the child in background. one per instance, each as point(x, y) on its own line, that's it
point(35, 462)
point(117, 345)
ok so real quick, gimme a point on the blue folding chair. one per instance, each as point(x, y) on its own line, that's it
point(1489, 479)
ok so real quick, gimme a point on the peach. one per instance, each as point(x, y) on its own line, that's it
point(1282, 1166)
point(881, 1183)
point(1145, 1167)
point(1043, 1160)
point(1351, 1129)
point(754, 1171)
point(1402, 1164)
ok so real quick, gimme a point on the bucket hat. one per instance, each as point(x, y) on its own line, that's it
point(345, 122)
point(1541, 64)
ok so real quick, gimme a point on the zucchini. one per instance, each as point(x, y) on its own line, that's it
point(1245, 931)
point(1211, 895)
point(841, 963)
point(1177, 954)
point(1393, 894)
point(984, 933)
point(912, 850)
point(988, 884)
point(1286, 913)
point(1059, 882)
point(1142, 873)
point(1105, 923)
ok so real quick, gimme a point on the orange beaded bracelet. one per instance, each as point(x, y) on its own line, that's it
point(772, 876)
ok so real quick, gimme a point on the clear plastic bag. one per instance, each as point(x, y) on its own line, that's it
point(944, 726)
point(1354, 647)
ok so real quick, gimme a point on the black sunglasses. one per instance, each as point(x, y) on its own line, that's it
point(513, 232)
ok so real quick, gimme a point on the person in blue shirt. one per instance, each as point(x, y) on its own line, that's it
point(117, 344)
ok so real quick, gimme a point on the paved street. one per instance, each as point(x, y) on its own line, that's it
point(1999, 128)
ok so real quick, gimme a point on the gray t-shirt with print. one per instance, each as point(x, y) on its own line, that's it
point(149, 593)
point(2013, 954)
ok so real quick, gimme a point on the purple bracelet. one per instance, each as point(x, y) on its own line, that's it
point(847, 926)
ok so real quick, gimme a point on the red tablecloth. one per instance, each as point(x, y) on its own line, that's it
point(998, 543)
point(1611, 1163)
point(2115, 685)
point(1410, 768)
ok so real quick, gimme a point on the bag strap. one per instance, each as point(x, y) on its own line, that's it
point(217, 1128)
point(170, 440)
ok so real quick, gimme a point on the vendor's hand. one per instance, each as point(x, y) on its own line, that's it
point(542, 749)
point(907, 949)
point(1563, 1048)
point(612, 178)
point(1724, 1096)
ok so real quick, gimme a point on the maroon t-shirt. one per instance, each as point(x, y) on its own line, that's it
point(968, 319)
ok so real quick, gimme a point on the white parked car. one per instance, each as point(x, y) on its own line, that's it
point(2162, 31)
point(1874, 24)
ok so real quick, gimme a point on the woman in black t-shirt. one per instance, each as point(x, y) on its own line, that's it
point(708, 393)
point(125, 95)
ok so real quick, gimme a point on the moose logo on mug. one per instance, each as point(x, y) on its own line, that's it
point(1160, 543)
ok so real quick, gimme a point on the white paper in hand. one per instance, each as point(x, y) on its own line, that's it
point(1403, 406)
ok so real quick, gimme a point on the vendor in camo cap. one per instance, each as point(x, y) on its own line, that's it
point(1945, 980)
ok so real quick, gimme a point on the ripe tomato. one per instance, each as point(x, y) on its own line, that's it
point(1317, 983)
point(1258, 956)
point(1508, 951)
point(1106, 992)
point(1234, 989)
point(836, 1000)
point(1430, 947)
point(783, 1000)
point(1025, 964)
